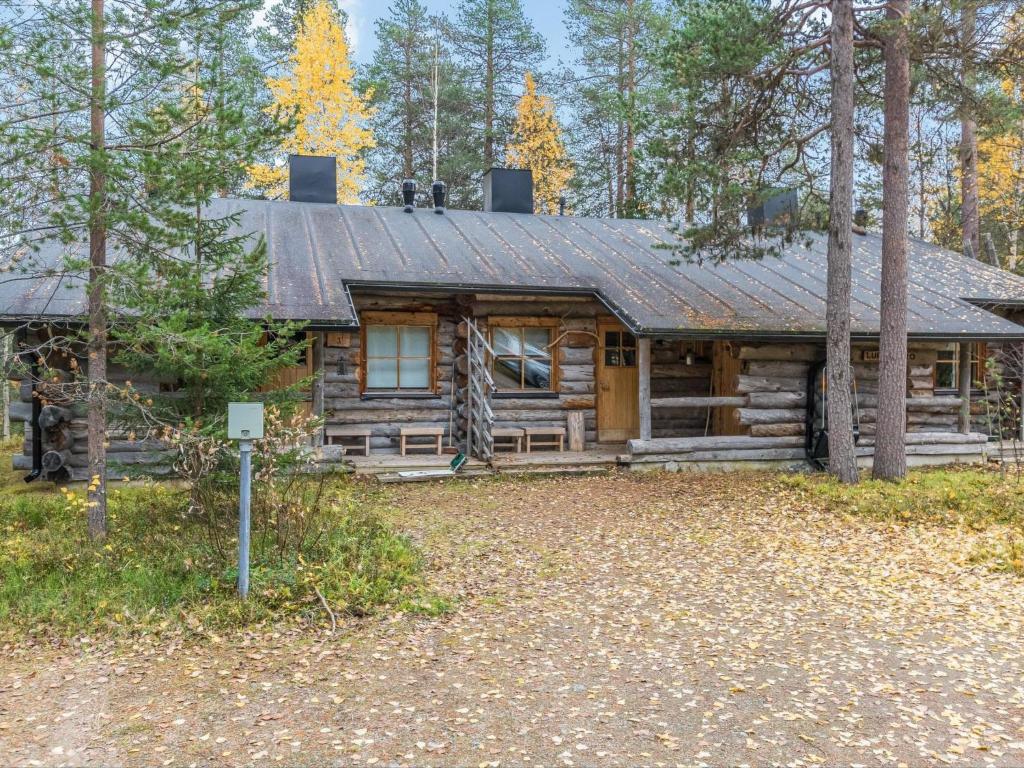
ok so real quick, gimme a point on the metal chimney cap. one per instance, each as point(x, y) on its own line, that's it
point(438, 190)
point(409, 195)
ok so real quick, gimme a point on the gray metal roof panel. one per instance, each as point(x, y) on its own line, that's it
point(318, 252)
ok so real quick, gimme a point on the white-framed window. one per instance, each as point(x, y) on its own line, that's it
point(398, 356)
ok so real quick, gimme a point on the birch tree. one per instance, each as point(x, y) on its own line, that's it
point(318, 97)
point(537, 144)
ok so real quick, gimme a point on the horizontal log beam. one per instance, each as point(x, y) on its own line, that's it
point(715, 442)
point(750, 416)
point(696, 402)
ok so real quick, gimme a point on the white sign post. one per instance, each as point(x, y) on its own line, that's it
point(245, 424)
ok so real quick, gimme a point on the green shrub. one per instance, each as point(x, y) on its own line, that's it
point(165, 566)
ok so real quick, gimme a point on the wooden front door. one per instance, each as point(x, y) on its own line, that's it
point(725, 370)
point(618, 406)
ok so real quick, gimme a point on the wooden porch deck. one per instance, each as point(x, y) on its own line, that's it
point(392, 467)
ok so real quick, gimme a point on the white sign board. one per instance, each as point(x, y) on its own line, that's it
point(245, 421)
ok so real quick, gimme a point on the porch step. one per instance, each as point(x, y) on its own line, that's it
point(563, 463)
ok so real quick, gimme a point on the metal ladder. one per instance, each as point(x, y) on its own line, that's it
point(479, 386)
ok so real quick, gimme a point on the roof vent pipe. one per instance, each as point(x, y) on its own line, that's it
point(561, 205)
point(409, 195)
point(438, 190)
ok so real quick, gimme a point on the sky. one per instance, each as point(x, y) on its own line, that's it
point(546, 16)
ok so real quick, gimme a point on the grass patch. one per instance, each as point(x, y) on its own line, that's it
point(979, 500)
point(160, 569)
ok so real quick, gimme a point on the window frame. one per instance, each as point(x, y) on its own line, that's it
point(979, 354)
point(603, 349)
point(521, 323)
point(398, 320)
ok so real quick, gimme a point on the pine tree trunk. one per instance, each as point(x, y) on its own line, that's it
point(407, 117)
point(970, 212)
point(890, 461)
point(7, 386)
point(842, 459)
point(629, 201)
point(489, 91)
point(97, 347)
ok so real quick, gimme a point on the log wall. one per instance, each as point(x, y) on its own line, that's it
point(672, 377)
point(772, 385)
point(576, 332)
point(345, 405)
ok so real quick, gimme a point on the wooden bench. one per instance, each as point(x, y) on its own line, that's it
point(512, 438)
point(551, 437)
point(435, 432)
point(339, 436)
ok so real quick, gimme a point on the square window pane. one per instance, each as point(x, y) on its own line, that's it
point(414, 373)
point(507, 372)
point(381, 341)
point(415, 342)
point(507, 341)
point(537, 374)
point(945, 375)
point(629, 358)
point(382, 373)
point(628, 340)
point(537, 340)
point(612, 357)
point(611, 338)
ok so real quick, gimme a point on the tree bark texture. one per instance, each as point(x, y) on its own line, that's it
point(97, 347)
point(890, 460)
point(842, 458)
point(489, 91)
point(969, 210)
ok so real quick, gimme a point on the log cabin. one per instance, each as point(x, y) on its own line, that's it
point(561, 342)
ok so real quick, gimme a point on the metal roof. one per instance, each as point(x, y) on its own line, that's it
point(319, 253)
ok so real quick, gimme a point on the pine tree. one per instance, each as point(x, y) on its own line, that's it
point(614, 86)
point(536, 144)
point(842, 459)
point(319, 94)
point(103, 92)
point(402, 79)
point(496, 45)
point(890, 459)
point(751, 110)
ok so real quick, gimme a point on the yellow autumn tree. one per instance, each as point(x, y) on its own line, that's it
point(1001, 181)
point(537, 145)
point(331, 117)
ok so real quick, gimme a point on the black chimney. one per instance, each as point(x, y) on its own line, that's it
point(508, 190)
point(561, 205)
point(409, 195)
point(312, 179)
point(779, 210)
point(438, 190)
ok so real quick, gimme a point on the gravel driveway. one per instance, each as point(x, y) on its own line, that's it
point(613, 620)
